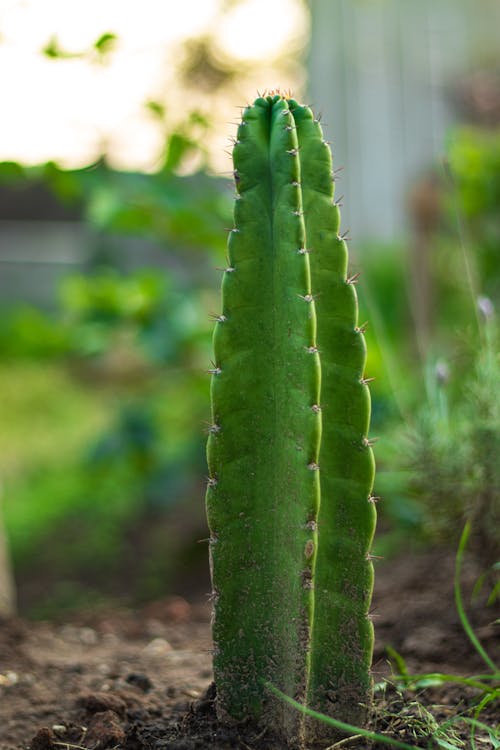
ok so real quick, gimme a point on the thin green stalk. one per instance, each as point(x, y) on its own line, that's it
point(477, 713)
point(341, 725)
point(431, 679)
point(459, 602)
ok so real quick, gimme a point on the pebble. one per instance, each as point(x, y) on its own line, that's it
point(140, 681)
point(9, 678)
point(157, 647)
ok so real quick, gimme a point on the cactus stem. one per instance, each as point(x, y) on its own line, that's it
point(292, 637)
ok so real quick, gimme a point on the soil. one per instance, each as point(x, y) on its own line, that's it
point(141, 680)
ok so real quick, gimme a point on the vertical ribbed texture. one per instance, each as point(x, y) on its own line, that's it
point(291, 575)
point(263, 489)
point(342, 641)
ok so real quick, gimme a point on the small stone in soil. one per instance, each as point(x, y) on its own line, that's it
point(157, 647)
point(140, 681)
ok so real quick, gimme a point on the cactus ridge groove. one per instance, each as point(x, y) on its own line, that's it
point(290, 565)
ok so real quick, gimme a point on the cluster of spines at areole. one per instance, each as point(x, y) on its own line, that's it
point(290, 541)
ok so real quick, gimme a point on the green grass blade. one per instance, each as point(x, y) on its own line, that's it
point(479, 709)
point(459, 601)
point(341, 725)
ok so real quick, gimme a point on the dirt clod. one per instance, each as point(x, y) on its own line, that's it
point(105, 730)
point(43, 740)
point(140, 681)
point(99, 702)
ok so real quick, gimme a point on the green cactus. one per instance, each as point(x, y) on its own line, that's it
point(291, 580)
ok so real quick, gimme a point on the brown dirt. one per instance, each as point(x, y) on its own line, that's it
point(142, 680)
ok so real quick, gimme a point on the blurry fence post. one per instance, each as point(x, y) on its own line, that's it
point(7, 587)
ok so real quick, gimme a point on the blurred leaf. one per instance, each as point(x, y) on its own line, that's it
point(11, 172)
point(178, 146)
point(53, 50)
point(156, 108)
point(103, 46)
point(29, 332)
point(106, 43)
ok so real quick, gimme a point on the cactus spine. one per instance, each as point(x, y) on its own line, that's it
point(290, 602)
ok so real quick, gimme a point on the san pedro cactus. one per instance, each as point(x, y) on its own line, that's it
point(290, 464)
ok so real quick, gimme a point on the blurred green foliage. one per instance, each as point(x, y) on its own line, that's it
point(175, 209)
point(125, 385)
point(448, 452)
point(474, 162)
point(438, 457)
point(103, 448)
point(103, 45)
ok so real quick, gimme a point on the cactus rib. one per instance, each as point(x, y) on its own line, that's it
point(342, 639)
point(263, 503)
